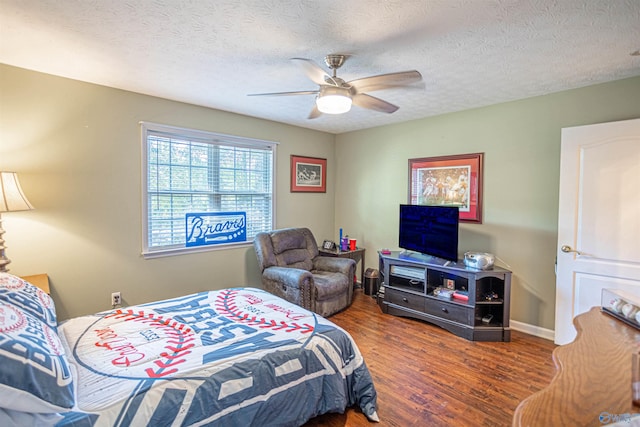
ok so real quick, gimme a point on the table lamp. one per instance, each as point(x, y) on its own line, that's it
point(12, 199)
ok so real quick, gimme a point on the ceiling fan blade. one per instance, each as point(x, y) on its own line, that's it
point(420, 85)
point(315, 113)
point(385, 81)
point(372, 103)
point(313, 70)
point(301, 92)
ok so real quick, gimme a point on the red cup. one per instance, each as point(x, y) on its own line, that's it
point(352, 244)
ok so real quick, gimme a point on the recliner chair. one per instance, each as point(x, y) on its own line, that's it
point(292, 269)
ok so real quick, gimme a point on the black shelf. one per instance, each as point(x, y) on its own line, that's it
point(406, 295)
point(452, 300)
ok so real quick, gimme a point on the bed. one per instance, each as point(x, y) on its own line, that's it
point(238, 356)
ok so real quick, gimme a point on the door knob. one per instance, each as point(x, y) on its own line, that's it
point(567, 249)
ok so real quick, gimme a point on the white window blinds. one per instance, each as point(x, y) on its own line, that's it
point(187, 171)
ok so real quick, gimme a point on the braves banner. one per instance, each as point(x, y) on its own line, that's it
point(213, 228)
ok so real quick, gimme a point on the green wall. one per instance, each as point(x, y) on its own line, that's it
point(77, 150)
point(76, 147)
point(521, 142)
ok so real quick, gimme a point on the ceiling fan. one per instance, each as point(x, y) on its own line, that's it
point(335, 96)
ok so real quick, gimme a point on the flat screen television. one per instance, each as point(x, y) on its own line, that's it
point(430, 230)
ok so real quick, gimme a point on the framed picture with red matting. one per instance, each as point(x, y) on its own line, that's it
point(308, 174)
point(448, 181)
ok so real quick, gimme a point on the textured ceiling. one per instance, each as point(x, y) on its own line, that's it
point(471, 53)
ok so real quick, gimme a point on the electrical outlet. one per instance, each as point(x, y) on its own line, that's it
point(115, 299)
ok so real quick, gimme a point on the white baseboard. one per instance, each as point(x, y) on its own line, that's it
point(537, 331)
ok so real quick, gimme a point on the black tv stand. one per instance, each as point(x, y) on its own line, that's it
point(416, 285)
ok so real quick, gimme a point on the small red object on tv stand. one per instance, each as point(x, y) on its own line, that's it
point(460, 296)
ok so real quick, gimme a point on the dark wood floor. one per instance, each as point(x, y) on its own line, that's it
point(426, 376)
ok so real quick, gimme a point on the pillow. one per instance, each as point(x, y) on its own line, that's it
point(28, 298)
point(35, 376)
point(16, 418)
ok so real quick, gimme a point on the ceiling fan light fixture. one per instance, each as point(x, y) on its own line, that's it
point(333, 100)
point(333, 104)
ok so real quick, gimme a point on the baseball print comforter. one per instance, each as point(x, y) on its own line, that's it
point(234, 357)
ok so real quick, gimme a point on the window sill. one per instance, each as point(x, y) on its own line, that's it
point(151, 254)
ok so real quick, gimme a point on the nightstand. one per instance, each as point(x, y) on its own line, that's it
point(39, 280)
point(357, 255)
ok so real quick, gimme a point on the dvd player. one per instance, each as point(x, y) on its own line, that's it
point(414, 273)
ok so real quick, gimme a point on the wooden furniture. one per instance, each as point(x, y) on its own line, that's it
point(39, 280)
point(357, 255)
point(411, 284)
point(592, 386)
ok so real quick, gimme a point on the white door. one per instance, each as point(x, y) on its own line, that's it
point(599, 218)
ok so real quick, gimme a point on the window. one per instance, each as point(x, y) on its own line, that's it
point(195, 172)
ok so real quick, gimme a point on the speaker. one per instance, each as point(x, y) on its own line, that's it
point(479, 260)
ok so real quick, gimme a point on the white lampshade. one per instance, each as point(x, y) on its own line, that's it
point(12, 197)
point(333, 100)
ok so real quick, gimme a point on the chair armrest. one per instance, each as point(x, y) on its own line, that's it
point(335, 265)
point(293, 284)
point(293, 277)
